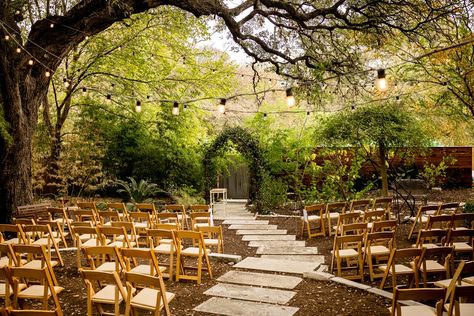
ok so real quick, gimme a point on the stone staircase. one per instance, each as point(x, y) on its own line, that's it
point(251, 288)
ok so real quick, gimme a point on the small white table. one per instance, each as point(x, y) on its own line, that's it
point(215, 193)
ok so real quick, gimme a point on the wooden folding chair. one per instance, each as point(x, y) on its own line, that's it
point(6, 230)
point(200, 219)
point(45, 238)
point(463, 275)
point(31, 312)
point(444, 221)
point(43, 291)
point(402, 262)
point(153, 297)
point(84, 236)
point(168, 248)
point(463, 221)
point(59, 235)
point(199, 253)
point(213, 237)
point(120, 208)
point(345, 219)
point(360, 206)
point(333, 210)
point(353, 256)
point(131, 232)
point(456, 306)
point(105, 217)
point(36, 257)
point(449, 208)
point(354, 229)
point(7, 256)
point(6, 286)
point(103, 288)
point(181, 211)
point(421, 217)
point(142, 222)
point(378, 246)
point(59, 214)
point(104, 258)
point(431, 238)
point(167, 218)
point(86, 216)
point(141, 261)
point(422, 294)
point(436, 261)
point(370, 217)
point(314, 218)
point(388, 225)
point(147, 208)
point(384, 203)
point(169, 227)
point(200, 208)
point(114, 237)
point(462, 240)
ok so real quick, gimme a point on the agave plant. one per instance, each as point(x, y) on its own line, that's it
point(138, 191)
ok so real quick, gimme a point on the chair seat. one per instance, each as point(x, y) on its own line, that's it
point(462, 246)
point(21, 286)
point(144, 269)
point(423, 219)
point(37, 292)
point(164, 249)
point(108, 267)
point(469, 280)
point(37, 264)
point(433, 266)
point(119, 244)
point(85, 237)
point(141, 225)
point(106, 295)
point(4, 261)
point(445, 283)
point(311, 218)
point(147, 299)
point(192, 251)
point(464, 308)
point(129, 237)
point(211, 242)
point(417, 310)
point(12, 241)
point(427, 246)
point(91, 243)
point(45, 241)
point(399, 269)
point(347, 253)
point(333, 215)
point(379, 250)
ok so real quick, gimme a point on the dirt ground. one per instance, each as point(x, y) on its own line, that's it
point(313, 298)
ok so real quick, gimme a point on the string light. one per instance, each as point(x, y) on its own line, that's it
point(381, 81)
point(264, 116)
point(18, 50)
point(290, 99)
point(7, 37)
point(308, 113)
point(175, 110)
point(86, 38)
point(66, 83)
point(221, 107)
point(109, 98)
point(51, 25)
point(185, 107)
point(47, 74)
point(31, 62)
point(84, 90)
point(138, 106)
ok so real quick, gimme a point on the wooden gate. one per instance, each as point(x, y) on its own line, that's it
point(236, 182)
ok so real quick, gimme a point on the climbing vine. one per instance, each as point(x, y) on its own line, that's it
point(250, 149)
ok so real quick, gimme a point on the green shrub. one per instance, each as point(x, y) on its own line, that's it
point(272, 194)
point(469, 207)
point(140, 191)
point(187, 196)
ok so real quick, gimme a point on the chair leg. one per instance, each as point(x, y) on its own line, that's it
point(199, 270)
point(209, 269)
point(178, 267)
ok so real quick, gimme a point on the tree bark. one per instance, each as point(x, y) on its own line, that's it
point(383, 168)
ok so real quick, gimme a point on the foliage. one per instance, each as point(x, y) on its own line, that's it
point(4, 134)
point(140, 191)
point(273, 194)
point(469, 207)
point(250, 149)
point(435, 174)
point(187, 196)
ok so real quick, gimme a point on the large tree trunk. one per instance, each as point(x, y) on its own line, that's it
point(383, 169)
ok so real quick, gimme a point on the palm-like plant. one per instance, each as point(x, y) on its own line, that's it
point(138, 191)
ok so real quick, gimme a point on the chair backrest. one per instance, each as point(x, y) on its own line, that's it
point(459, 292)
point(428, 209)
point(146, 207)
point(384, 203)
point(117, 206)
point(108, 216)
point(16, 229)
point(85, 215)
point(463, 220)
point(24, 221)
point(384, 225)
point(130, 256)
point(140, 217)
point(360, 205)
point(112, 233)
point(426, 236)
point(439, 221)
point(97, 255)
point(341, 241)
point(203, 218)
point(180, 236)
point(166, 217)
point(148, 281)
point(129, 228)
point(339, 207)
point(354, 229)
point(449, 208)
point(314, 209)
point(6, 250)
point(443, 255)
point(200, 208)
point(387, 236)
point(422, 294)
point(211, 231)
point(57, 212)
point(102, 278)
point(167, 226)
point(348, 218)
point(374, 216)
point(155, 235)
point(456, 234)
point(87, 205)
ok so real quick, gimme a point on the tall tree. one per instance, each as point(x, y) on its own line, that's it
point(305, 34)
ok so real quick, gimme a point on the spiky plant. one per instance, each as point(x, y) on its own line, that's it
point(138, 191)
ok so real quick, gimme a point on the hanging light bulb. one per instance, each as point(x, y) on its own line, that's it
point(86, 38)
point(66, 83)
point(353, 106)
point(47, 74)
point(290, 99)
point(221, 107)
point(308, 113)
point(31, 62)
point(51, 25)
point(185, 107)
point(138, 106)
point(381, 82)
point(84, 90)
point(264, 116)
point(109, 98)
point(18, 50)
point(175, 110)
point(7, 37)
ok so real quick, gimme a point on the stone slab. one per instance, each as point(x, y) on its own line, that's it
point(253, 226)
point(230, 307)
point(380, 292)
point(261, 279)
point(303, 258)
point(287, 266)
point(268, 237)
point(350, 283)
point(320, 276)
point(244, 222)
point(274, 243)
point(225, 257)
point(283, 250)
point(251, 293)
point(261, 232)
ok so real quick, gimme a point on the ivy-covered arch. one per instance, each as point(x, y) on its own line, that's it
point(248, 146)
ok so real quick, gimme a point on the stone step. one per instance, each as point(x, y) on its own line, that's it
point(304, 258)
point(261, 279)
point(230, 307)
point(251, 293)
point(268, 237)
point(283, 250)
point(236, 226)
point(244, 222)
point(263, 264)
point(277, 243)
point(261, 232)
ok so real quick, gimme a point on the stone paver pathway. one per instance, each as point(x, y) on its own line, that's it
point(250, 289)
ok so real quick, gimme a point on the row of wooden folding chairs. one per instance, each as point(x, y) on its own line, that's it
point(424, 211)
point(462, 240)
point(320, 216)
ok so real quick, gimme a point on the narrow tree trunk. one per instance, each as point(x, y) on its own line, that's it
point(383, 169)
